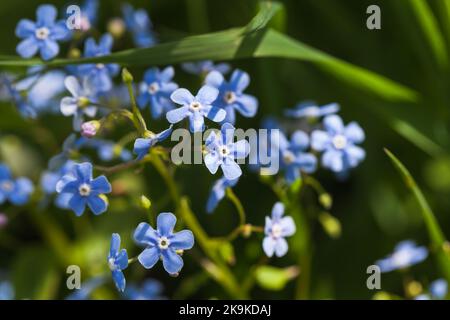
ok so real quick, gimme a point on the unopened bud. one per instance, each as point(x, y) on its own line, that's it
point(247, 230)
point(127, 77)
point(145, 202)
point(89, 129)
point(74, 53)
point(326, 200)
point(116, 27)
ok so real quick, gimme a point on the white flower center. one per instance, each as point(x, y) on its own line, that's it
point(42, 33)
point(153, 88)
point(163, 243)
point(195, 106)
point(311, 112)
point(111, 264)
point(100, 65)
point(224, 151)
point(85, 190)
point(7, 186)
point(288, 157)
point(401, 258)
point(339, 142)
point(229, 97)
point(276, 231)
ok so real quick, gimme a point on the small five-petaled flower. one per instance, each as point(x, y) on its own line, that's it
point(277, 228)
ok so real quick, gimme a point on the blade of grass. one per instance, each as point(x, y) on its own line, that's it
point(438, 241)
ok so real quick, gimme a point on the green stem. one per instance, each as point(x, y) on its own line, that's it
point(238, 204)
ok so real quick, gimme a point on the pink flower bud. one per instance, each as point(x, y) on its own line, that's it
point(89, 129)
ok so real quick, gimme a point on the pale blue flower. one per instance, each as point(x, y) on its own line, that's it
point(405, 254)
point(16, 191)
point(276, 229)
point(143, 145)
point(49, 180)
point(156, 89)
point(84, 190)
point(231, 94)
point(195, 108)
point(139, 24)
point(309, 109)
point(222, 152)
point(42, 35)
point(163, 243)
point(339, 144)
point(218, 192)
point(117, 261)
point(205, 66)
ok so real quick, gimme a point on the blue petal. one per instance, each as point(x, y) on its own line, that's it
point(84, 171)
point(299, 141)
point(277, 210)
point(333, 160)
point(281, 247)
point(149, 257)
point(354, 133)
point(142, 146)
point(288, 226)
point(5, 173)
point(176, 115)
point(166, 222)
point(227, 132)
point(25, 28)
point(145, 235)
point(78, 204)
point(101, 185)
point(269, 246)
point(439, 288)
point(196, 122)
point(212, 162)
point(240, 149)
point(122, 259)
point(214, 79)
point(319, 140)
point(182, 96)
point(207, 95)
point(119, 280)
point(239, 80)
point(307, 162)
point(27, 48)
point(167, 74)
point(23, 189)
point(97, 204)
point(231, 169)
point(333, 124)
point(115, 245)
point(182, 240)
point(172, 262)
point(46, 15)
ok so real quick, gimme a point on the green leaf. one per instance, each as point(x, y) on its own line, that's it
point(275, 279)
point(438, 241)
point(253, 40)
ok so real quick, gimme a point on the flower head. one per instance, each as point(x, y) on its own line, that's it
point(143, 145)
point(42, 35)
point(81, 103)
point(16, 191)
point(163, 243)
point(339, 144)
point(117, 261)
point(231, 94)
point(196, 108)
point(205, 66)
point(140, 26)
point(218, 192)
point(15, 96)
point(309, 109)
point(156, 89)
point(99, 74)
point(84, 190)
point(49, 180)
point(150, 290)
point(291, 154)
point(405, 254)
point(222, 151)
point(277, 228)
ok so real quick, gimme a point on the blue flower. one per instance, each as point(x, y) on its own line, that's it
point(140, 26)
point(196, 108)
point(156, 90)
point(15, 191)
point(71, 145)
point(405, 254)
point(276, 229)
point(117, 261)
point(99, 75)
point(309, 109)
point(89, 11)
point(143, 145)
point(291, 155)
point(438, 290)
point(6, 291)
point(84, 190)
point(339, 144)
point(163, 243)
point(231, 96)
point(218, 192)
point(108, 150)
point(50, 179)
point(41, 35)
point(81, 103)
point(205, 66)
point(150, 290)
point(222, 151)
point(18, 100)
point(86, 289)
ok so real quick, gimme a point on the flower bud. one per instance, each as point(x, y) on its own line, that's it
point(89, 129)
point(3, 220)
point(247, 230)
point(127, 77)
point(116, 27)
point(145, 202)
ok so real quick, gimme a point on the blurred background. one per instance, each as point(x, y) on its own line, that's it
point(373, 206)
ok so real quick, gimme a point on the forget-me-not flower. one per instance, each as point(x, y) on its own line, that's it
point(276, 229)
point(84, 190)
point(405, 254)
point(309, 109)
point(143, 145)
point(222, 152)
point(150, 290)
point(163, 243)
point(156, 89)
point(18, 100)
point(140, 26)
point(89, 11)
point(83, 101)
point(49, 179)
point(16, 191)
point(339, 144)
point(117, 261)
point(231, 94)
point(42, 35)
point(218, 192)
point(196, 108)
point(205, 66)
point(98, 74)
point(108, 150)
